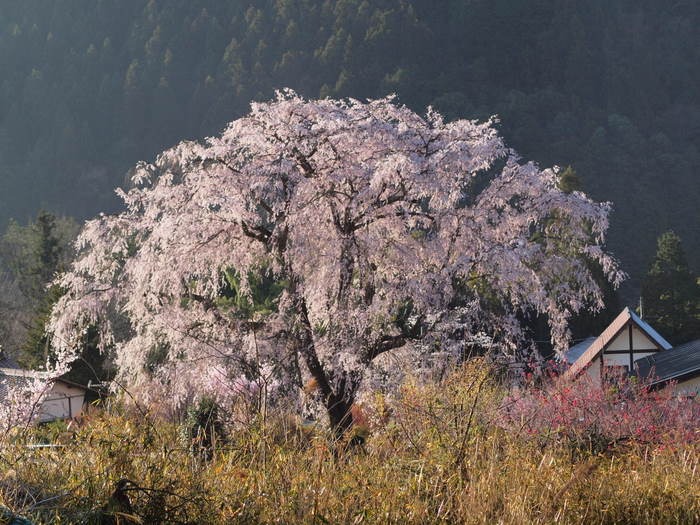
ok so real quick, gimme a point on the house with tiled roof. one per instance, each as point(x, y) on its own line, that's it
point(630, 345)
point(626, 340)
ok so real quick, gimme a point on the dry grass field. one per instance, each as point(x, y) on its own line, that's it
point(437, 453)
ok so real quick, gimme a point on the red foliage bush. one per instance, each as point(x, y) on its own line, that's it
point(598, 417)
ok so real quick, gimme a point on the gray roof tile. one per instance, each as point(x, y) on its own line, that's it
point(680, 361)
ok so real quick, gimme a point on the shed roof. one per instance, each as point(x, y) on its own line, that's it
point(576, 351)
point(613, 329)
point(11, 381)
point(681, 361)
point(19, 378)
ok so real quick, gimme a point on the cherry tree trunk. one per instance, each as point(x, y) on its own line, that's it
point(340, 414)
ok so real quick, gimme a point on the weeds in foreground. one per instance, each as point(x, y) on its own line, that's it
point(436, 453)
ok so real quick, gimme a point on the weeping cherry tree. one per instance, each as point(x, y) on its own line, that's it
point(366, 226)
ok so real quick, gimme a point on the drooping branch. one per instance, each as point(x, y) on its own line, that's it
point(303, 161)
point(385, 344)
point(256, 232)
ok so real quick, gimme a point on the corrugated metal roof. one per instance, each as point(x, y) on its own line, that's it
point(626, 316)
point(680, 361)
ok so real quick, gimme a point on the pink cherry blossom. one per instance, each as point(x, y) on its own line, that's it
point(384, 227)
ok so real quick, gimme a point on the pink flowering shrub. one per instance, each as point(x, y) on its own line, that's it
point(599, 417)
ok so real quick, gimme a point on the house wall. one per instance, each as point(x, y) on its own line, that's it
point(640, 341)
point(690, 386)
point(623, 359)
point(63, 402)
point(593, 371)
point(642, 346)
point(621, 342)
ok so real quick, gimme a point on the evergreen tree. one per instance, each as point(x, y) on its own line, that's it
point(569, 180)
point(30, 257)
point(670, 292)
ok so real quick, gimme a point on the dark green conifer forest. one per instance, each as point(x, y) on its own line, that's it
point(89, 87)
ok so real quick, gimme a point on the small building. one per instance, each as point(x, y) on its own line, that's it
point(64, 400)
point(626, 340)
point(630, 345)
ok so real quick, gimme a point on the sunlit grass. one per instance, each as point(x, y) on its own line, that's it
point(434, 455)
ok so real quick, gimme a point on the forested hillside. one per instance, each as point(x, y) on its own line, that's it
point(89, 87)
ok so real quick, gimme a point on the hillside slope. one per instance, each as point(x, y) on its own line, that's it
point(89, 87)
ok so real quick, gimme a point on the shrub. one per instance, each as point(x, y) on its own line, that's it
point(594, 417)
point(204, 428)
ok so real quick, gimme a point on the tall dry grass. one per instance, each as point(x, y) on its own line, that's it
point(437, 453)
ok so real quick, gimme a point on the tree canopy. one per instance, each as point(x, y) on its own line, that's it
point(30, 257)
point(312, 237)
point(671, 292)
